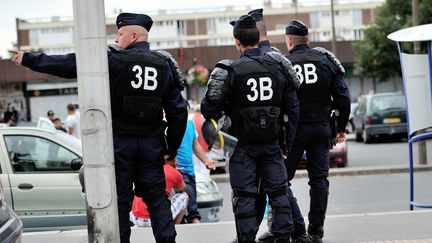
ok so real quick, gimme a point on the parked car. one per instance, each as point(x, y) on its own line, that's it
point(380, 114)
point(350, 126)
point(41, 179)
point(338, 157)
point(10, 226)
point(209, 199)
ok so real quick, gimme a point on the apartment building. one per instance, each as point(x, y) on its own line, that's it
point(209, 26)
point(186, 31)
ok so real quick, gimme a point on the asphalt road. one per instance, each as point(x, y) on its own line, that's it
point(383, 152)
point(355, 194)
point(361, 194)
point(361, 208)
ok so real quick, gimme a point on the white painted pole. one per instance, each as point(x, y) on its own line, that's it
point(95, 110)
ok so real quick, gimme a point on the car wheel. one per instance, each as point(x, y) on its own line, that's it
point(366, 137)
point(358, 137)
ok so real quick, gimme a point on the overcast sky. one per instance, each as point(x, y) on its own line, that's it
point(11, 9)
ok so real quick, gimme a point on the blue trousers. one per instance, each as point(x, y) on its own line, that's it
point(191, 190)
point(139, 161)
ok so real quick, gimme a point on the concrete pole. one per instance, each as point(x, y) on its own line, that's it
point(333, 27)
point(295, 2)
point(415, 21)
point(422, 144)
point(95, 107)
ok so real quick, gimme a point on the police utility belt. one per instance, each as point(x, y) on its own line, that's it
point(314, 115)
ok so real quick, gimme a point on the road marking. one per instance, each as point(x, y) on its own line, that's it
point(401, 241)
point(378, 214)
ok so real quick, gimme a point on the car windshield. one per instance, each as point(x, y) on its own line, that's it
point(68, 139)
point(388, 102)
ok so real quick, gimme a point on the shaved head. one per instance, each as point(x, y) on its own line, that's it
point(293, 40)
point(130, 34)
point(141, 31)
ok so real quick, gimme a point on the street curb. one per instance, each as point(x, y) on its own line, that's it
point(369, 170)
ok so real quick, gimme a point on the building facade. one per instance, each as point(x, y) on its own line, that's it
point(198, 33)
point(209, 27)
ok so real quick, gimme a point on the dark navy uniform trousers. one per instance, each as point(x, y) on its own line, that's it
point(314, 139)
point(244, 164)
point(139, 159)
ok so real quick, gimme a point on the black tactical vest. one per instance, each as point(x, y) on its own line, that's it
point(314, 92)
point(136, 102)
point(256, 99)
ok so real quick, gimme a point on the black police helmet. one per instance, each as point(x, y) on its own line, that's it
point(210, 126)
point(208, 129)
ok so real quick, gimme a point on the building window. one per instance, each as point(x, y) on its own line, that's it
point(211, 26)
point(357, 17)
point(358, 34)
point(181, 27)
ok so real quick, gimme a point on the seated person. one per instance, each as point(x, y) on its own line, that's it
point(179, 200)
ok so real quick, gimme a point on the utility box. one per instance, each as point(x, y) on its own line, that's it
point(417, 79)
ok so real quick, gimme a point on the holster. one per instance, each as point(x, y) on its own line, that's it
point(164, 140)
point(334, 116)
point(283, 136)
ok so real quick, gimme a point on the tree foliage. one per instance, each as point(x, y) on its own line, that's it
point(377, 56)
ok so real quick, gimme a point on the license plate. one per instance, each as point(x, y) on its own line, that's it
point(391, 120)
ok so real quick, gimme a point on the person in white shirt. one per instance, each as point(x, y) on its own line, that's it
point(72, 122)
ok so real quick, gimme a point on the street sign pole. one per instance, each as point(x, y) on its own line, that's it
point(94, 99)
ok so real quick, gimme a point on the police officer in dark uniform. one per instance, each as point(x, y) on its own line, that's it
point(143, 83)
point(298, 235)
point(255, 92)
point(322, 89)
point(264, 43)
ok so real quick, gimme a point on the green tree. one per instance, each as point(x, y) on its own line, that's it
point(425, 12)
point(377, 56)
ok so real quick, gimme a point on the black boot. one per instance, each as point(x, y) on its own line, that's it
point(316, 233)
point(302, 238)
point(168, 240)
point(316, 238)
point(281, 241)
point(266, 237)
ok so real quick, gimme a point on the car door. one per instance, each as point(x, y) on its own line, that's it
point(45, 190)
point(359, 116)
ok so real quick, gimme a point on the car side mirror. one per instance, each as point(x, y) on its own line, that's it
point(76, 164)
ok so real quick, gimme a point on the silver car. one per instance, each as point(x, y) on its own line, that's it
point(10, 225)
point(41, 180)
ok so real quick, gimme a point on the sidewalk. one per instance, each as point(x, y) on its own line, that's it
point(367, 170)
point(390, 227)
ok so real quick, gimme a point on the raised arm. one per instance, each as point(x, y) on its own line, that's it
point(59, 65)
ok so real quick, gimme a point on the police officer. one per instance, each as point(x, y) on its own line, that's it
point(298, 235)
point(255, 92)
point(142, 83)
point(264, 43)
point(322, 89)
